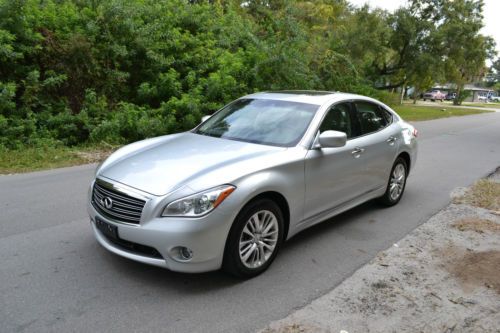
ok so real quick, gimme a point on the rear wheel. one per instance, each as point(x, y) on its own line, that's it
point(396, 184)
point(254, 239)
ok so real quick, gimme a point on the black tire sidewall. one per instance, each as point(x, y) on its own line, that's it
point(232, 261)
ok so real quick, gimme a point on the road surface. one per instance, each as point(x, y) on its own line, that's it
point(55, 277)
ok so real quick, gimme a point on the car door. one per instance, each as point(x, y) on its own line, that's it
point(333, 175)
point(378, 141)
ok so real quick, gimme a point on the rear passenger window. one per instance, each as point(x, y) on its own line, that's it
point(371, 118)
point(387, 115)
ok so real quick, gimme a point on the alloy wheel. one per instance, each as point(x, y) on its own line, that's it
point(397, 182)
point(258, 239)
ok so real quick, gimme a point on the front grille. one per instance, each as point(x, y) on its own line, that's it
point(124, 208)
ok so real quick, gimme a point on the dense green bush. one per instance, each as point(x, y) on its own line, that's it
point(85, 71)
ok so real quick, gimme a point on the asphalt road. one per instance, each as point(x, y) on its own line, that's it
point(55, 277)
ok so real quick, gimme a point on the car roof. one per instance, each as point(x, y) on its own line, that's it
point(305, 96)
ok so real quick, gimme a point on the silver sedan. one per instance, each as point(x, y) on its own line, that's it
point(266, 166)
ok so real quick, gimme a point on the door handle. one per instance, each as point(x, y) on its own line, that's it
point(357, 152)
point(391, 140)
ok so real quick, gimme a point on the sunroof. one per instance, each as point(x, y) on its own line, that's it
point(302, 92)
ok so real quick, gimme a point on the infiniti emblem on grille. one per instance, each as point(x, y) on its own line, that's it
point(107, 202)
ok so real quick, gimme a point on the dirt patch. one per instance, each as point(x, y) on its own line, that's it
point(94, 156)
point(477, 225)
point(485, 193)
point(476, 269)
point(294, 328)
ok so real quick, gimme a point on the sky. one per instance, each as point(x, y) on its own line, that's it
point(491, 12)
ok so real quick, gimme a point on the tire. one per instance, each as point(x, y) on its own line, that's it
point(239, 239)
point(425, 99)
point(389, 198)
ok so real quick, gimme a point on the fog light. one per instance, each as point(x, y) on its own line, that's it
point(185, 253)
point(181, 253)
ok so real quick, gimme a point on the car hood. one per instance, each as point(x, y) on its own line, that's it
point(176, 160)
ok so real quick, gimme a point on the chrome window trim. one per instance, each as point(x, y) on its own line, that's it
point(313, 143)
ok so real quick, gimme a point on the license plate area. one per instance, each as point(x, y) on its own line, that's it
point(107, 229)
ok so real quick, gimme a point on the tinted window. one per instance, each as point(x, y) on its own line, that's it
point(370, 117)
point(264, 121)
point(338, 119)
point(386, 114)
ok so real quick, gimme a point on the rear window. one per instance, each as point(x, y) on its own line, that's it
point(371, 117)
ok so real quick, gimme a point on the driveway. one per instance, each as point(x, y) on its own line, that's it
point(55, 277)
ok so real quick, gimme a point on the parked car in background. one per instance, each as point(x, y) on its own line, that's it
point(450, 96)
point(263, 168)
point(482, 97)
point(434, 95)
point(495, 98)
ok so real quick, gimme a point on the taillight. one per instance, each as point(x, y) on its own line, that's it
point(415, 132)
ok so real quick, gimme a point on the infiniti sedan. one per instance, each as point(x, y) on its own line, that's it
point(266, 166)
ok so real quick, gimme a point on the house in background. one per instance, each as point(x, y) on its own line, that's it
point(477, 94)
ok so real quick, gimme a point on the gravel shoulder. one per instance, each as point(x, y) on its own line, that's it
point(442, 277)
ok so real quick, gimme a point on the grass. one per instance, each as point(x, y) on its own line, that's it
point(485, 193)
point(416, 112)
point(41, 158)
point(476, 224)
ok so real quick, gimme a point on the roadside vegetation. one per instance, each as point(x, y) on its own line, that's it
point(45, 157)
point(40, 158)
point(485, 193)
point(416, 113)
point(77, 73)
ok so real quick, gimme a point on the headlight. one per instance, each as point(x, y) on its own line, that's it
point(200, 203)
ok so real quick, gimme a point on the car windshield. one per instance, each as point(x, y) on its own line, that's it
point(262, 121)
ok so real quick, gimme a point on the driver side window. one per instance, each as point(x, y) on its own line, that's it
point(338, 119)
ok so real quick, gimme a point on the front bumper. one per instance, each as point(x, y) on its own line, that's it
point(205, 237)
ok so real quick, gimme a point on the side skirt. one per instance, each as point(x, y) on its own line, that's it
point(304, 224)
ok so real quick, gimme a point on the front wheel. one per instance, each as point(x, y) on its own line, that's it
point(396, 184)
point(254, 239)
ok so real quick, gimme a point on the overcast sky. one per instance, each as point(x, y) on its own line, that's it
point(491, 14)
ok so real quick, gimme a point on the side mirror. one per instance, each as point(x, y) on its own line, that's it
point(331, 139)
point(205, 118)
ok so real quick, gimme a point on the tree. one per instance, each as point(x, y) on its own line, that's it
point(463, 49)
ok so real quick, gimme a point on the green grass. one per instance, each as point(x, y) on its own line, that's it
point(40, 158)
point(415, 112)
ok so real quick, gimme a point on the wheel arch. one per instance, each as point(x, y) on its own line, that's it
point(282, 203)
point(404, 155)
